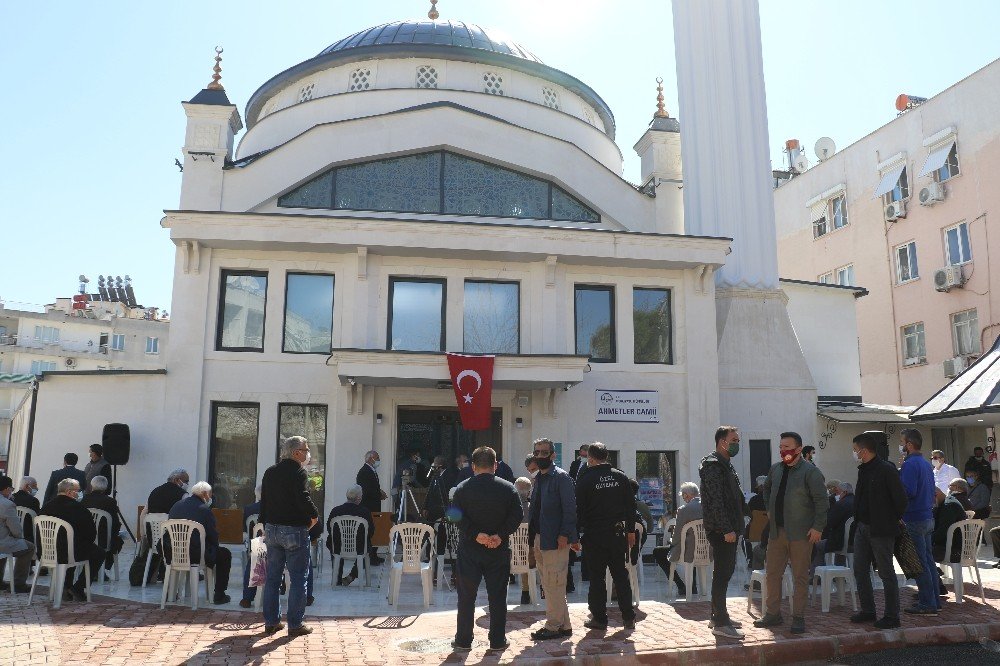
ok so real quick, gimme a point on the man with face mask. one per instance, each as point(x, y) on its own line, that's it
point(797, 505)
point(26, 497)
point(198, 507)
point(979, 495)
point(580, 464)
point(163, 497)
point(944, 473)
point(918, 480)
point(66, 506)
point(978, 463)
point(722, 505)
point(371, 493)
point(12, 538)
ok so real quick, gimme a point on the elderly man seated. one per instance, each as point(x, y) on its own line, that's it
point(25, 497)
point(98, 498)
point(675, 552)
point(352, 507)
point(950, 512)
point(979, 494)
point(834, 539)
point(66, 506)
point(12, 539)
point(197, 507)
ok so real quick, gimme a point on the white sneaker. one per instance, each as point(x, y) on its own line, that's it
point(728, 631)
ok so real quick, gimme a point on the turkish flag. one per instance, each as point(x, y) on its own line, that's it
point(472, 379)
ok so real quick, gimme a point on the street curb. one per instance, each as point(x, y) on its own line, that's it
point(797, 649)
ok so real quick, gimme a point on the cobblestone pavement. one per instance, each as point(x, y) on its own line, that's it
point(113, 631)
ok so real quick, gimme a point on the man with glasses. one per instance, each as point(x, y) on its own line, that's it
point(552, 531)
point(288, 513)
point(944, 473)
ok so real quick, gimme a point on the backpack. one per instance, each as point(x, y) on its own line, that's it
point(139, 565)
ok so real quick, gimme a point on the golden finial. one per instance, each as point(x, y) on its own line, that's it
point(433, 13)
point(661, 111)
point(217, 76)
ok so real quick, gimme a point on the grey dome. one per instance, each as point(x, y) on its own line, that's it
point(441, 33)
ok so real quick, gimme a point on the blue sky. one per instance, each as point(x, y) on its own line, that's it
point(92, 120)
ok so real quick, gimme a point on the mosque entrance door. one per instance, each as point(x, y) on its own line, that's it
point(438, 431)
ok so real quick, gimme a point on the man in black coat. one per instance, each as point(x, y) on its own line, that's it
point(26, 497)
point(197, 507)
point(66, 506)
point(978, 463)
point(68, 471)
point(352, 507)
point(491, 512)
point(580, 464)
point(163, 497)
point(371, 493)
point(98, 498)
point(879, 503)
point(97, 466)
point(450, 476)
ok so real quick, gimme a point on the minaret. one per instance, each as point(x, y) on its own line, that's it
point(764, 383)
point(660, 151)
point(212, 124)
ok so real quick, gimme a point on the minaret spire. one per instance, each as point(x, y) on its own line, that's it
point(217, 76)
point(433, 13)
point(661, 110)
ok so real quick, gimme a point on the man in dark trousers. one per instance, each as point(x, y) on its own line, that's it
point(354, 508)
point(605, 509)
point(66, 505)
point(197, 507)
point(26, 497)
point(68, 471)
point(491, 512)
point(98, 498)
point(371, 492)
point(97, 466)
point(879, 504)
point(722, 506)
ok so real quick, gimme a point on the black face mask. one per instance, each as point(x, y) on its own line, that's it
point(543, 463)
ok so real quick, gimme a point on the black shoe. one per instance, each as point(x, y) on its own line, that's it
point(500, 646)
point(462, 648)
point(862, 617)
point(525, 597)
point(273, 629)
point(545, 634)
point(79, 593)
point(768, 620)
point(310, 599)
point(681, 591)
point(221, 599)
point(565, 632)
point(917, 609)
point(629, 624)
point(246, 603)
point(22, 589)
point(798, 625)
point(887, 623)
point(301, 630)
point(68, 596)
point(376, 561)
point(599, 625)
point(570, 585)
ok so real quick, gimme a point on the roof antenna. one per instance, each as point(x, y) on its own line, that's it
point(433, 13)
point(215, 85)
point(661, 111)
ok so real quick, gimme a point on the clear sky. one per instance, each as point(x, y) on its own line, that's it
point(92, 122)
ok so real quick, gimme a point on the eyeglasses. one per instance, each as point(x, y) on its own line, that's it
point(936, 458)
point(542, 454)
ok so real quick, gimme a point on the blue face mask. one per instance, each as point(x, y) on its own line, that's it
point(79, 496)
point(971, 480)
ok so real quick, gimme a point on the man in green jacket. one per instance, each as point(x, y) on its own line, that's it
point(796, 499)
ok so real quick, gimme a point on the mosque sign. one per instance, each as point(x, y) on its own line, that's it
point(628, 405)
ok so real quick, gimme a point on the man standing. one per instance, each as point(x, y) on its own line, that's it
point(98, 498)
point(944, 473)
point(552, 530)
point(918, 481)
point(288, 513)
point(978, 463)
point(580, 463)
point(97, 466)
point(722, 505)
point(197, 507)
point(371, 492)
point(66, 505)
point(491, 512)
point(605, 505)
point(12, 538)
point(797, 504)
point(450, 476)
point(808, 452)
point(68, 471)
point(879, 505)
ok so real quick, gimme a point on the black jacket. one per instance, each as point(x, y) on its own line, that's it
point(74, 513)
point(284, 496)
point(836, 518)
point(162, 498)
point(193, 508)
point(21, 498)
point(349, 509)
point(574, 467)
point(721, 496)
point(60, 474)
point(604, 498)
point(371, 492)
point(437, 499)
point(950, 512)
point(879, 497)
point(101, 501)
point(982, 468)
point(505, 472)
point(488, 505)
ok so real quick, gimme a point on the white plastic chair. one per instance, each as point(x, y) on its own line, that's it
point(450, 552)
point(846, 551)
point(350, 529)
point(248, 526)
point(22, 513)
point(104, 518)
point(180, 564)
point(827, 575)
point(519, 563)
point(760, 576)
point(701, 565)
point(411, 536)
point(154, 521)
point(971, 532)
point(633, 574)
point(47, 528)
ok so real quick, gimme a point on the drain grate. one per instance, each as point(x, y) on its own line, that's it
point(427, 645)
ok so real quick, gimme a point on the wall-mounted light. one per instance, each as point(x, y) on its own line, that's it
point(378, 418)
point(351, 381)
point(518, 422)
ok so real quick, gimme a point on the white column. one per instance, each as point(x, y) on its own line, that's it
point(723, 112)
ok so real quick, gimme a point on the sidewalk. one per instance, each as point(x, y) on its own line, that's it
point(114, 631)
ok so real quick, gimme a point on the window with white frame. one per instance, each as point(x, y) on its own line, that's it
point(950, 167)
point(845, 276)
point(152, 345)
point(906, 263)
point(894, 185)
point(118, 342)
point(957, 249)
point(427, 77)
point(965, 332)
point(838, 211)
point(942, 161)
point(47, 334)
point(38, 367)
point(825, 278)
point(914, 349)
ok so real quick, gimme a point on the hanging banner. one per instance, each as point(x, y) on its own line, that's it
point(472, 379)
point(628, 405)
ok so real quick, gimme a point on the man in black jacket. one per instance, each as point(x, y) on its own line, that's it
point(163, 497)
point(354, 508)
point(68, 471)
point(97, 466)
point(197, 507)
point(491, 512)
point(605, 509)
point(26, 497)
point(288, 513)
point(66, 506)
point(722, 505)
point(840, 511)
point(580, 463)
point(98, 498)
point(371, 492)
point(978, 463)
point(879, 504)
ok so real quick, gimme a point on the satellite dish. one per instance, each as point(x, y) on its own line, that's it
point(83, 279)
point(825, 148)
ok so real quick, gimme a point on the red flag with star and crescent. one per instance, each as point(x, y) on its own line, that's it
point(472, 379)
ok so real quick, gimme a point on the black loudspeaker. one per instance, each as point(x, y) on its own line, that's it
point(881, 443)
point(116, 441)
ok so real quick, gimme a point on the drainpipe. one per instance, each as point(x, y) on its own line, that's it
point(31, 427)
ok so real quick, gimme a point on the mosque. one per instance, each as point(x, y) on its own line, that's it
point(431, 186)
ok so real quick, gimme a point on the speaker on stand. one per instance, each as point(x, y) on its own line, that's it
point(117, 442)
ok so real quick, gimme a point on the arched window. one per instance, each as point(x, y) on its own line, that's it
point(438, 182)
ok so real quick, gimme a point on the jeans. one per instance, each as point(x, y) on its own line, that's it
point(471, 568)
point(877, 550)
point(606, 550)
point(723, 566)
point(928, 582)
point(287, 548)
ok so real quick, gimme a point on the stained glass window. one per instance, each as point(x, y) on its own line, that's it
point(413, 184)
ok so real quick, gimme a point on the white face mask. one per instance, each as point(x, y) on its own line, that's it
point(184, 487)
point(856, 457)
point(533, 474)
point(208, 502)
point(33, 491)
point(902, 448)
point(309, 457)
point(376, 463)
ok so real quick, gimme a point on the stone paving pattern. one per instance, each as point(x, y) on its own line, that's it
point(112, 631)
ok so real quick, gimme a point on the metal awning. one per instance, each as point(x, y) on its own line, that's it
point(889, 179)
point(972, 398)
point(10, 378)
point(937, 158)
point(864, 413)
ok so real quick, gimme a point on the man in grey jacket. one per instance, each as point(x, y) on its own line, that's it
point(796, 499)
point(11, 537)
point(673, 552)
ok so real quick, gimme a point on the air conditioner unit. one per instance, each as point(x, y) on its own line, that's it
point(953, 367)
point(931, 194)
point(947, 278)
point(69, 362)
point(895, 210)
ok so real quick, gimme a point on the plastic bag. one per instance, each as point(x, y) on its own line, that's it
point(258, 562)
